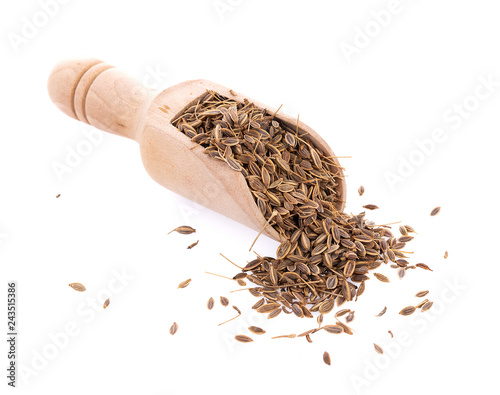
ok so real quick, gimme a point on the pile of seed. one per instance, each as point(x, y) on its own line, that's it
point(326, 255)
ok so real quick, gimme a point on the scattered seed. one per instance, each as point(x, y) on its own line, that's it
point(426, 306)
point(381, 277)
point(335, 329)
point(371, 207)
point(378, 348)
point(184, 284)
point(78, 287)
point(361, 190)
point(408, 310)
point(421, 304)
point(173, 328)
point(243, 339)
point(326, 358)
point(256, 330)
point(435, 211)
point(106, 303)
point(183, 230)
point(445, 254)
point(350, 317)
point(390, 333)
point(58, 196)
point(210, 303)
point(224, 301)
point(421, 294)
point(423, 266)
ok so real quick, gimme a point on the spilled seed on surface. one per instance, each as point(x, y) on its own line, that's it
point(183, 230)
point(78, 287)
point(184, 284)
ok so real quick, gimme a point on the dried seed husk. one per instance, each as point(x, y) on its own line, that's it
point(173, 328)
point(210, 303)
point(390, 333)
point(78, 287)
point(435, 211)
point(378, 348)
point(361, 190)
point(256, 330)
point(243, 339)
point(183, 230)
point(106, 303)
point(267, 308)
point(342, 312)
point(408, 310)
point(382, 312)
point(193, 245)
point(350, 317)
point(184, 284)
point(371, 207)
point(326, 358)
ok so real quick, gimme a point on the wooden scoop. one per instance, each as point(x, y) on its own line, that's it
point(96, 93)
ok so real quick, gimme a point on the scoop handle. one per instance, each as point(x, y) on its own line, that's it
point(96, 93)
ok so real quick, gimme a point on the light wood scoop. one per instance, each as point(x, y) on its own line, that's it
point(96, 93)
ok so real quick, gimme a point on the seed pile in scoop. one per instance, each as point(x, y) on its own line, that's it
point(326, 255)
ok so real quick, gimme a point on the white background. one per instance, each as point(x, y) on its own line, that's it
point(399, 85)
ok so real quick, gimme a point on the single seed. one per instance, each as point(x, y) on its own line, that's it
point(183, 230)
point(381, 277)
point(326, 358)
point(423, 266)
point(184, 284)
point(361, 190)
point(445, 254)
point(335, 329)
point(173, 328)
point(350, 317)
point(390, 333)
point(106, 303)
point(210, 303)
point(426, 306)
point(256, 330)
point(78, 287)
point(378, 348)
point(421, 294)
point(371, 207)
point(58, 196)
point(408, 310)
point(224, 301)
point(435, 211)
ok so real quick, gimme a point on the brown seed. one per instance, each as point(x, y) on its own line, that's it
point(256, 330)
point(350, 317)
point(224, 301)
point(58, 196)
point(378, 348)
point(342, 312)
point(408, 310)
point(390, 333)
point(210, 303)
point(445, 254)
point(173, 328)
point(371, 207)
point(382, 312)
point(419, 306)
point(184, 284)
point(183, 230)
point(267, 308)
point(426, 306)
point(423, 266)
point(241, 283)
point(403, 230)
point(106, 303)
point(193, 245)
point(274, 313)
point(335, 329)
point(243, 339)
point(435, 211)
point(401, 272)
point(237, 309)
point(326, 358)
point(421, 294)
point(78, 287)
point(381, 277)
